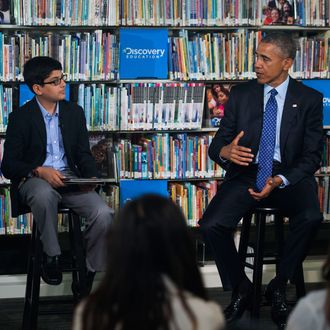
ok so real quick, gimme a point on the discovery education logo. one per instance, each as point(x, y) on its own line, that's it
point(137, 53)
point(143, 53)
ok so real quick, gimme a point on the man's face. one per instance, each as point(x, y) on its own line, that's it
point(53, 88)
point(271, 66)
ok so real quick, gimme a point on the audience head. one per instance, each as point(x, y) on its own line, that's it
point(147, 242)
point(39, 68)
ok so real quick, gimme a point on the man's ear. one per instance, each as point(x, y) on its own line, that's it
point(287, 63)
point(37, 89)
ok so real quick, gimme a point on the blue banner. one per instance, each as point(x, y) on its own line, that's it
point(143, 53)
point(323, 86)
point(131, 189)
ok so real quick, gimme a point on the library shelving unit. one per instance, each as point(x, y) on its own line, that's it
point(212, 43)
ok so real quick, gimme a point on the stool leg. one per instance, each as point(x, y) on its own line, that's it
point(32, 290)
point(258, 264)
point(279, 234)
point(244, 239)
point(78, 257)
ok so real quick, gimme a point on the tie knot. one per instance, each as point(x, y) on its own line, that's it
point(273, 92)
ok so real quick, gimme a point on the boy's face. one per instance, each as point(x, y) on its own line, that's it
point(53, 89)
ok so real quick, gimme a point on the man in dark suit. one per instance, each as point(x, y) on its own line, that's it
point(241, 147)
point(47, 140)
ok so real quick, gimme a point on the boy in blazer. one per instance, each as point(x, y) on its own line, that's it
point(47, 140)
point(290, 185)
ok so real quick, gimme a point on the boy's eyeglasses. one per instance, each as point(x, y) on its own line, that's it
point(56, 81)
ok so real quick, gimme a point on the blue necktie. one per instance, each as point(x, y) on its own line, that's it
point(267, 141)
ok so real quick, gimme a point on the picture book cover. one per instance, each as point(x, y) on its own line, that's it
point(104, 153)
point(279, 12)
point(216, 98)
point(6, 10)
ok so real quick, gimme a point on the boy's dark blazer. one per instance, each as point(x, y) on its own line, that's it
point(301, 132)
point(25, 145)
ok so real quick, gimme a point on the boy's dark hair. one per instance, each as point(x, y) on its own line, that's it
point(39, 68)
point(284, 41)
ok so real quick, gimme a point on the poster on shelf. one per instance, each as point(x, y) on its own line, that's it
point(130, 189)
point(143, 53)
point(279, 12)
point(26, 95)
point(6, 10)
point(216, 98)
point(323, 86)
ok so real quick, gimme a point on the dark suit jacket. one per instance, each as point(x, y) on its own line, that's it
point(301, 132)
point(25, 144)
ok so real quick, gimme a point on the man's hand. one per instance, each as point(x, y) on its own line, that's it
point(271, 184)
point(52, 176)
point(237, 154)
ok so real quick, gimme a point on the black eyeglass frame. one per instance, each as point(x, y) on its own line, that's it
point(56, 81)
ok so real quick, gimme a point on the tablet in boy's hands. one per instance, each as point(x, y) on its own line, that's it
point(84, 181)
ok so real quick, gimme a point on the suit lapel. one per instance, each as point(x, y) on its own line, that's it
point(257, 105)
point(63, 120)
point(38, 120)
point(290, 110)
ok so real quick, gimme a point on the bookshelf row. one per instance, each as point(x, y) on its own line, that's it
point(164, 12)
point(148, 106)
point(193, 55)
point(138, 106)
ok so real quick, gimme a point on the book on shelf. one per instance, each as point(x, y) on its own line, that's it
point(7, 12)
point(217, 95)
point(162, 106)
point(105, 156)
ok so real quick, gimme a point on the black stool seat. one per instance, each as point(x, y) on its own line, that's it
point(259, 258)
point(32, 291)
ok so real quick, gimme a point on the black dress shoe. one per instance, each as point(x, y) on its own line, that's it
point(237, 307)
point(279, 306)
point(51, 271)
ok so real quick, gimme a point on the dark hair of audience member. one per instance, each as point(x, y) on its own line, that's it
point(326, 276)
point(148, 239)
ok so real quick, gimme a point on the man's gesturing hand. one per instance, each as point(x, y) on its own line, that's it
point(237, 154)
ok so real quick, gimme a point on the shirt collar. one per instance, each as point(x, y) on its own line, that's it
point(44, 112)
point(281, 89)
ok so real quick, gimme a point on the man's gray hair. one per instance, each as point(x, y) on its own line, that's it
point(284, 41)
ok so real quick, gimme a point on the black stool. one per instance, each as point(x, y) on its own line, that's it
point(31, 305)
point(259, 257)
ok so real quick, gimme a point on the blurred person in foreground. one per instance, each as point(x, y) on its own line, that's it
point(152, 279)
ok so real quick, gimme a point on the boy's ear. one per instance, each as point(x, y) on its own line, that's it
point(37, 89)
